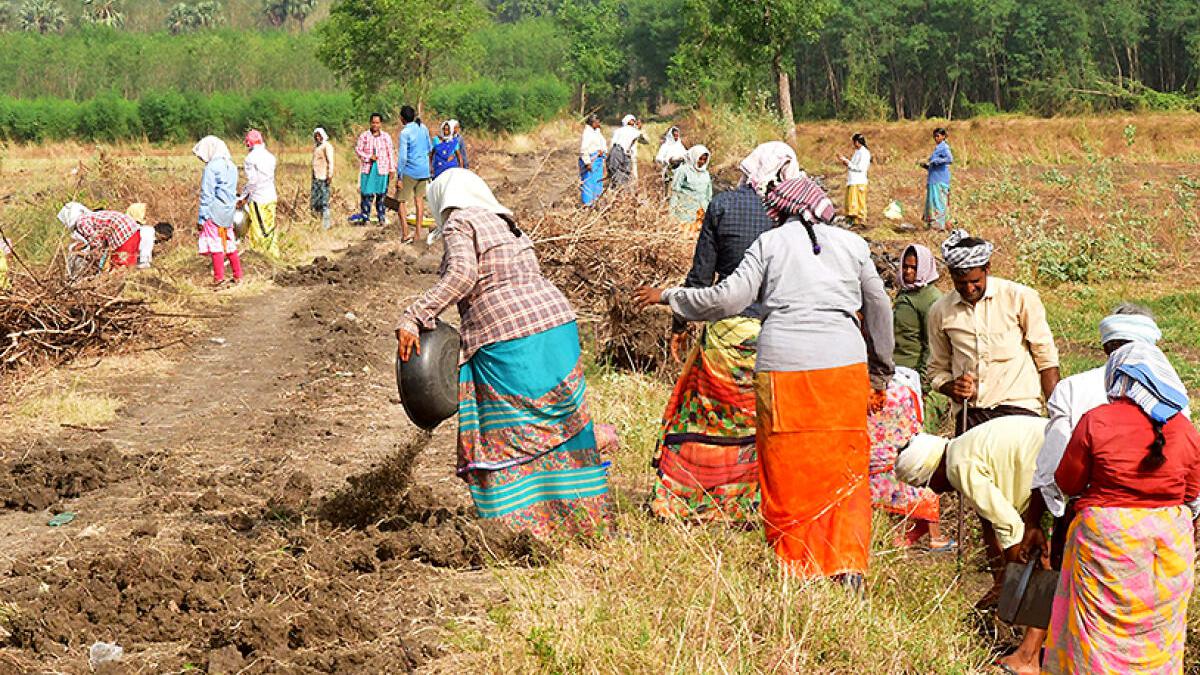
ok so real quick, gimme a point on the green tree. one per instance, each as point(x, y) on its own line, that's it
point(103, 13)
point(185, 18)
point(374, 43)
point(594, 56)
point(42, 16)
point(6, 15)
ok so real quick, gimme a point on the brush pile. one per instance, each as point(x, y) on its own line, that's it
point(599, 256)
point(44, 320)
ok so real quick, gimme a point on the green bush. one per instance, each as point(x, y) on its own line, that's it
point(109, 117)
point(501, 106)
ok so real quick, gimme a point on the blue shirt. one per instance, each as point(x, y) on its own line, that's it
point(939, 164)
point(412, 151)
point(218, 190)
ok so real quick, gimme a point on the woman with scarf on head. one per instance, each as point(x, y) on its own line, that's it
point(671, 154)
point(857, 166)
point(526, 443)
point(706, 461)
point(447, 150)
point(218, 201)
point(622, 159)
point(322, 176)
point(1133, 464)
point(100, 238)
point(815, 375)
point(691, 189)
point(915, 295)
point(259, 196)
point(593, 150)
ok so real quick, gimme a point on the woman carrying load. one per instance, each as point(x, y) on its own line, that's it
point(815, 374)
point(218, 201)
point(526, 442)
point(1134, 464)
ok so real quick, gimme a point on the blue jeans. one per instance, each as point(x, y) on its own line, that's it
point(364, 206)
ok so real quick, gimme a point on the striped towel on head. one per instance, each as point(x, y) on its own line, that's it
point(1141, 373)
point(802, 198)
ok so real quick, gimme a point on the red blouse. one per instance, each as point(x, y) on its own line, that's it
point(1101, 463)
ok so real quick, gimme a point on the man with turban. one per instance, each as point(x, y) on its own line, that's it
point(990, 347)
point(992, 467)
point(1072, 398)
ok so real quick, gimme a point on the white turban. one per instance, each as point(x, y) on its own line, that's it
point(70, 214)
point(1129, 327)
point(627, 119)
point(920, 458)
point(966, 257)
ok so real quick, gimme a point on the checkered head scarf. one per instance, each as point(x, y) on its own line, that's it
point(964, 257)
point(803, 199)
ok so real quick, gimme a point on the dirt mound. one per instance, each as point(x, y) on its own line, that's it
point(48, 474)
point(380, 257)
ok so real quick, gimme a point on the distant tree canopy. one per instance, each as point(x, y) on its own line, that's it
point(852, 59)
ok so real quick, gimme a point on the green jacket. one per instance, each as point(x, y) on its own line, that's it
point(912, 335)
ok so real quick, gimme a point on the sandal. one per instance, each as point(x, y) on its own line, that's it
point(949, 546)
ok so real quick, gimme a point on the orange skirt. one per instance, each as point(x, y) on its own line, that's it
point(814, 458)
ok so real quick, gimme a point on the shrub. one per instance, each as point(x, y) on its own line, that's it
point(108, 117)
point(507, 106)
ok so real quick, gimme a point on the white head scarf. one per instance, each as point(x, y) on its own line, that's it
point(1130, 328)
point(672, 148)
point(210, 148)
point(625, 121)
point(693, 157)
point(920, 458)
point(453, 127)
point(321, 133)
point(459, 189)
point(70, 214)
point(771, 162)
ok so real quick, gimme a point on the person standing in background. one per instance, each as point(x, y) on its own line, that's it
point(376, 167)
point(260, 195)
point(691, 189)
point(592, 152)
point(218, 188)
point(671, 154)
point(322, 176)
point(856, 180)
point(413, 149)
point(910, 311)
point(937, 187)
point(447, 150)
point(627, 137)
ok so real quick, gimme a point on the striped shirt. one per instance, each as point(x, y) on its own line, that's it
point(495, 279)
point(106, 230)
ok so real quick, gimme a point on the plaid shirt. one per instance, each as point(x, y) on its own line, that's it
point(733, 221)
point(380, 146)
point(495, 279)
point(106, 230)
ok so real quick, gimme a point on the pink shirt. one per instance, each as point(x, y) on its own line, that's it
point(381, 147)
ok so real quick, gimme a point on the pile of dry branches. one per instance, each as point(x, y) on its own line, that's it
point(598, 256)
point(44, 320)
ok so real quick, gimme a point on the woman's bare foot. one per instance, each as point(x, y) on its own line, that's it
point(1013, 664)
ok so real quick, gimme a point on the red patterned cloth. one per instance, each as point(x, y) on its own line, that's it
point(892, 427)
point(494, 276)
point(106, 230)
point(800, 197)
point(381, 146)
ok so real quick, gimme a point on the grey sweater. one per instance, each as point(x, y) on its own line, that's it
point(809, 302)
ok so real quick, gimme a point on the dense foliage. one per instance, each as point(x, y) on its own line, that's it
point(486, 104)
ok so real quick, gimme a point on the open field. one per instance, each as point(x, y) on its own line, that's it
point(252, 499)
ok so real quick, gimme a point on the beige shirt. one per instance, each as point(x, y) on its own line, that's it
point(1003, 340)
point(322, 161)
point(992, 467)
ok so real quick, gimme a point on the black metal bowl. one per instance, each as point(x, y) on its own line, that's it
point(428, 382)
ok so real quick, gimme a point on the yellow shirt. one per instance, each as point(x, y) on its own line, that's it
point(1003, 340)
point(992, 467)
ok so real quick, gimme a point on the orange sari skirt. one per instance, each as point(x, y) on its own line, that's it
point(814, 459)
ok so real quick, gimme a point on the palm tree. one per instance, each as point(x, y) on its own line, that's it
point(208, 14)
point(301, 9)
point(6, 15)
point(184, 18)
point(42, 16)
point(104, 13)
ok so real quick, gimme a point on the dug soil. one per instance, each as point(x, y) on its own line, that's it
point(262, 507)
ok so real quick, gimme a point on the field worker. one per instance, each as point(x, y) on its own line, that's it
point(108, 238)
point(5, 251)
point(218, 201)
point(991, 466)
point(691, 189)
point(915, 295)
point(857, 166)
point(526, 443)
point(671, 154)
point(1133, 464)
point(815, 376)
point(990, 348)
point(456, 129)
point(413, 149)
point(706, 461)
point(592, 152)
point(376, 166)
point(322, 176)
point(259, 196)
point(151, 236)
point(447, 150)
point(937, 185)
point(1072, 399)
point(623, 152)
